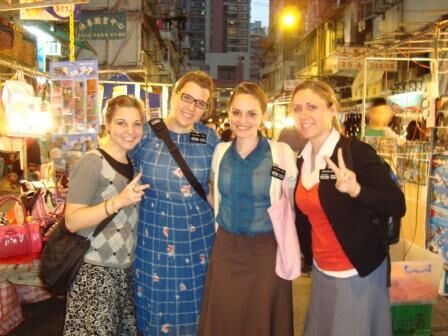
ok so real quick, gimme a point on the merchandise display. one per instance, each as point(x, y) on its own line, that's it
point(74, 94)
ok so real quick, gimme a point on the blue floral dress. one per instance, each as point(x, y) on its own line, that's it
point(175, 235)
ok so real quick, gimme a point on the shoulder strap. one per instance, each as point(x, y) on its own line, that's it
point(159, 128)
point(107, 157)
point(103, 224)
point(109, 219)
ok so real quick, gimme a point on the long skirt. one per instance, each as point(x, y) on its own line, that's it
point(350, 306)
point(100, 302)
point(243, 295)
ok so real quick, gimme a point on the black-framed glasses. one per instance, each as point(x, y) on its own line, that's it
point(200, 104)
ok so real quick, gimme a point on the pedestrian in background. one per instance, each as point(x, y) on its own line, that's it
point(176, 228)
point(243, 295)
point(334, 200)
point(379, 116)
point(102, 183)
point(292, 137)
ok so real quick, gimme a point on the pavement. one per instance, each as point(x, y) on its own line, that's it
point(47, 318)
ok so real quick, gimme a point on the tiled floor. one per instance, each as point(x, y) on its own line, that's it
point(46, 318)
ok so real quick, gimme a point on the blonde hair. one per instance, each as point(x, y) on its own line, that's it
point(324, 91)
point(202, 79)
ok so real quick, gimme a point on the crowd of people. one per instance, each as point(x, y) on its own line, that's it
point(199, 258)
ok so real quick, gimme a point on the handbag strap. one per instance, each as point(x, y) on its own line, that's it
point(103, 224)
point(159, 128)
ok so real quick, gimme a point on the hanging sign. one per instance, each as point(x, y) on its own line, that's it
point(51, 13)
point(102, 26)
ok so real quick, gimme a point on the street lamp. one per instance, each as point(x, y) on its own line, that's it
point(289, 18)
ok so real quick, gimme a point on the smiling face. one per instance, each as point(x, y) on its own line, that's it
point(184, 107)
point(245, 115)
point(313, 115)
point(125, 128)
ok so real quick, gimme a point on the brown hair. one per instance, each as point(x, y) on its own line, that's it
point(202, 79)
point(324, 91)
point(252, 89)
point(122, 101)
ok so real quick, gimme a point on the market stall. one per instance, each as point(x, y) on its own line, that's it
point(418, 95)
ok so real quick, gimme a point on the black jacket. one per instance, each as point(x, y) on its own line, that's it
point(361, 241)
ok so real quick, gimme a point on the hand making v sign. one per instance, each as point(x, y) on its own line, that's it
point(345, 178)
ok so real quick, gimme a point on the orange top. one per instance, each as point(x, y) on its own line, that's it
point(327, 251)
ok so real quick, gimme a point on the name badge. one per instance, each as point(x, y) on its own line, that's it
point(277, 172)
point(326, 175)
point(197, 137)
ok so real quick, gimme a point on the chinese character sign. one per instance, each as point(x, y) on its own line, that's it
point(102, 26)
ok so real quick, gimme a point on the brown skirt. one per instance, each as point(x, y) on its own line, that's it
point(243, 295)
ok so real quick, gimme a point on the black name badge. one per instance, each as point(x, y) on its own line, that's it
point(198, 137)
point(277, 172)
point(326, 175)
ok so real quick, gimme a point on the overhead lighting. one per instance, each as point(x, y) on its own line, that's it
point(39, 33)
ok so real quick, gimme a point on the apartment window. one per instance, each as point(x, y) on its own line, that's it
point(227, 72)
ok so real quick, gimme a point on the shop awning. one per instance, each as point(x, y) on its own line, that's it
point(374, 84)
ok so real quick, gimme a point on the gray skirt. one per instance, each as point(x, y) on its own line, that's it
point(350, 306)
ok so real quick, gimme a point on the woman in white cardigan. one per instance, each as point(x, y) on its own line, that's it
point(243, 295)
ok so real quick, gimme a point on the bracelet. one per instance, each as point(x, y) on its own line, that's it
point(105, 208)
point(113, 205)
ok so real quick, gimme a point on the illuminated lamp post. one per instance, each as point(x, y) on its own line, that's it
point(288, 25)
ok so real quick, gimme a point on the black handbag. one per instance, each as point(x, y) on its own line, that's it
point(159, 128)
point(63, 256)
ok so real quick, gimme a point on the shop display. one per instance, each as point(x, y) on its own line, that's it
point(352, 124)
point(22, 109)
point(74, 94)
point(412, 162)
point(10, 171)
point(66, 150)
point(437, 236)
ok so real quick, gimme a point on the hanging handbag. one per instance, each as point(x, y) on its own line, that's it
point(63, 255)
point(159, 128)
point(288, 257)
point(16, 237)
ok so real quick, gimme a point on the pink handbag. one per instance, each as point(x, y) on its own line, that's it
point(18, 239)
point(288, 259)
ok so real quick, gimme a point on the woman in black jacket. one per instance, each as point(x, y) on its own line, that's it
point(341, 183)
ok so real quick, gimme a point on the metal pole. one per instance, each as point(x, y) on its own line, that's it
point(72, 33)
point(364, 95)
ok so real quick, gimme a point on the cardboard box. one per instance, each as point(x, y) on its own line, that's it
point(416, 274)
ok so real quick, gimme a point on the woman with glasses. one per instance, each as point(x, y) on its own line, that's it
point(176, 228)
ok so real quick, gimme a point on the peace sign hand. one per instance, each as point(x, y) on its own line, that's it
point(132, 193)
point(345, 178)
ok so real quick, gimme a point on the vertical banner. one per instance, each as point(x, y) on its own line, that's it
point(74, 96)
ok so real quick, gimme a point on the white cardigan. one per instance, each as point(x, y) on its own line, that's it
point(282, 155)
